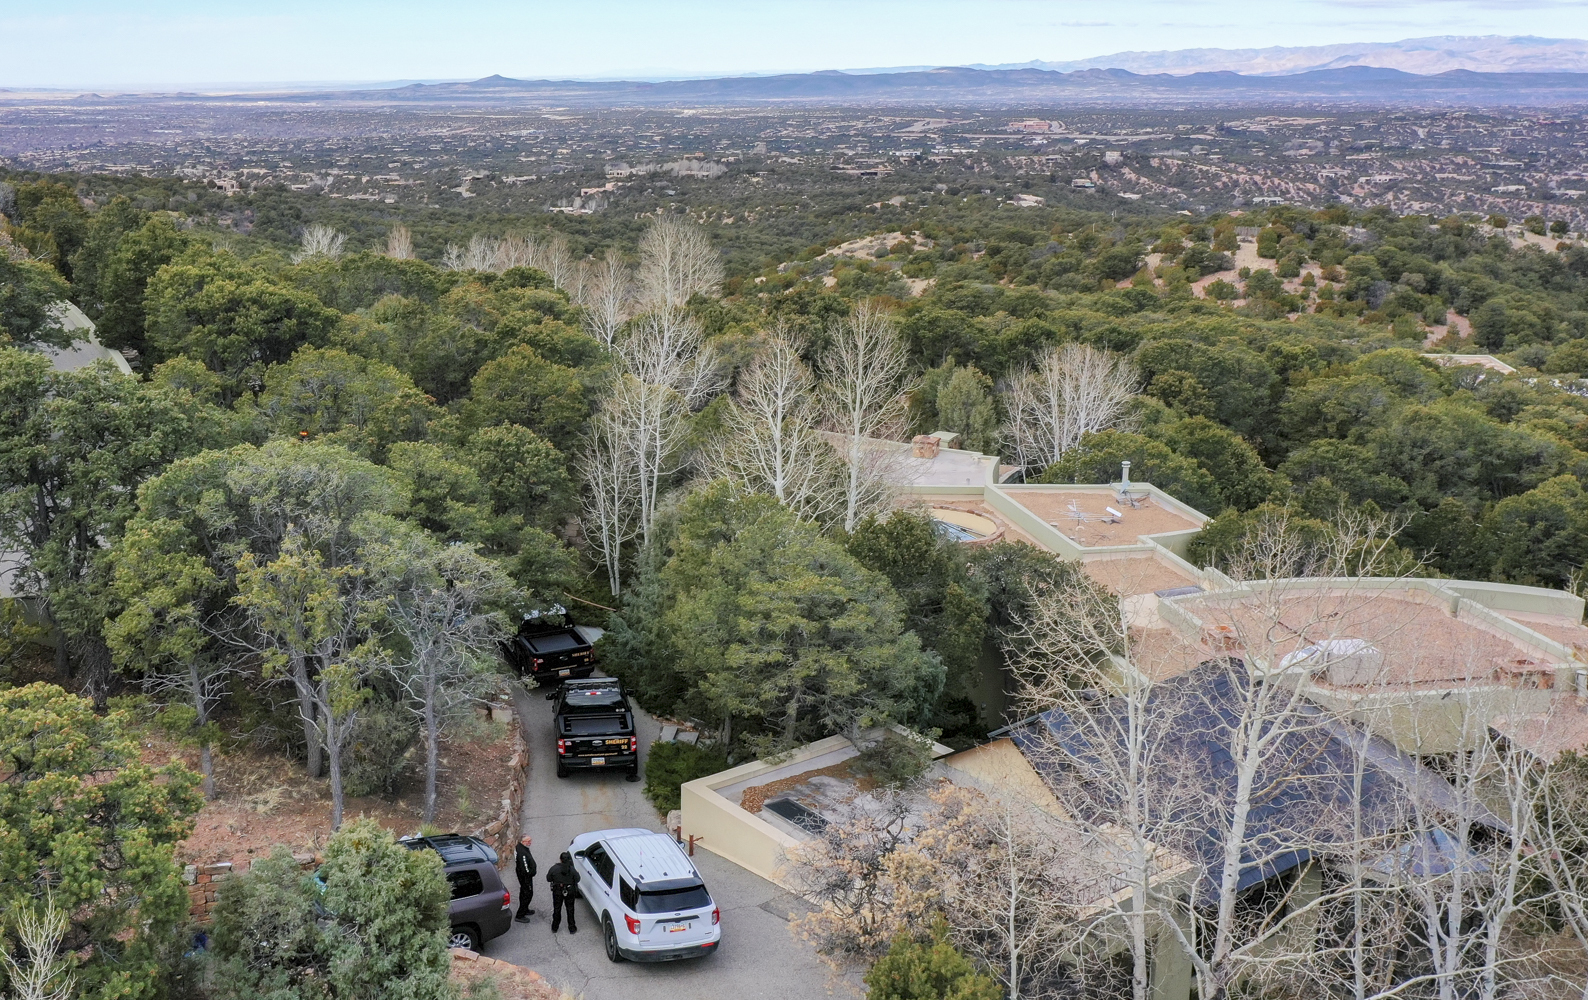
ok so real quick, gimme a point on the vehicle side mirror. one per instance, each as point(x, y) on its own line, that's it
point(578, 854)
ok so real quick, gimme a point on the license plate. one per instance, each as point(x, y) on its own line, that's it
point(677, 928)
point(598, 761)
point(564, 672)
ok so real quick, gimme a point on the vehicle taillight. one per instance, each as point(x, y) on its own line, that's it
point(634, 744)
point(507, 899)
point(716, 915)
point(537, 661)
point(633, 922)
point(562, 746)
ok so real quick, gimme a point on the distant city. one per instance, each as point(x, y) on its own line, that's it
point(590, 159)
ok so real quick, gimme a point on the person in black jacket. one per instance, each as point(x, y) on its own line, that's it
point(564, 879)
point(524, 865)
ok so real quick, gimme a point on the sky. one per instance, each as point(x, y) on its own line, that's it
point(160, 44)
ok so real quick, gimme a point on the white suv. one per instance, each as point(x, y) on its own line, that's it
point(651, 901)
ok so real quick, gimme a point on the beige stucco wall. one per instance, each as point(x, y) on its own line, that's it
point(719, 824)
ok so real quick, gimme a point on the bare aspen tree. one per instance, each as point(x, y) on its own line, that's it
point(866, 876)
point(607, 293)
point(400, 243)
point(553, 257)
point(480, 254)
point(38, 969)
point(1006, 877)
point(611, 473)
point(1073, 643)
point(770, 443)
point(1563, 845)
point(672, 371)
point(1268, 727)
point(676, 261)
point(1073, 390)
point(452, 258)
point(865, 369)
point(1141, 721)
point(1466, 916)
point(1012, 880)
point(320, 240)
point(512, 251)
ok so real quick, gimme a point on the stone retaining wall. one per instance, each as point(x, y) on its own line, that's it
point(502, 832)
point(204, 882)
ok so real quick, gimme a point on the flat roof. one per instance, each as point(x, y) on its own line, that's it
point(1422, 643)
point(1095, 518)
point(1143, 574)
point(966, 502)
point(896, 463)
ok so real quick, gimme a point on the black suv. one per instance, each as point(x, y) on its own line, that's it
point(481, 907)
point(595, 728)
point(549, 645)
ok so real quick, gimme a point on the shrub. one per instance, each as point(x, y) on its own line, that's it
point(386, 732)
point(932, 969)
point(895, 760)
point(669, 765)
point(372, 924)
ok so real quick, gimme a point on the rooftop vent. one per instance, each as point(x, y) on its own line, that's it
point(1349, 662)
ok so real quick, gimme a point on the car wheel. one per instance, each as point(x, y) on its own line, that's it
point(562, 772)
point(609, 936)
point(464, 937)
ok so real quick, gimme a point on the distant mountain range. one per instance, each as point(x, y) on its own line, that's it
point(1490, 70)
point(1001, 86)
point(1424, 56)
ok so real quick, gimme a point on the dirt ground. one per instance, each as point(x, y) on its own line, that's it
point(264, 798)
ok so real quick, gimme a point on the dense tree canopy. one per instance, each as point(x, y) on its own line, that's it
point(87, 827)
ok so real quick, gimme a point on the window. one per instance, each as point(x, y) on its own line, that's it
point(626, 892)
point(602, 863)
point(465, 883)
point(691, 897)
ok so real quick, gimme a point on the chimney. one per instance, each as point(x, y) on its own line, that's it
point(1124, 475)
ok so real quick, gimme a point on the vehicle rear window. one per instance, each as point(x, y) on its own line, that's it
point(594, 725)
point(465, 883)
point(579, 699)
point(691, 897)
point(554, 643)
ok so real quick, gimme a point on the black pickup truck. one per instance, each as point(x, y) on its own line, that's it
point(595, 728)
point(549, 646)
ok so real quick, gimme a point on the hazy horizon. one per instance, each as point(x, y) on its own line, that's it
point(185, 44)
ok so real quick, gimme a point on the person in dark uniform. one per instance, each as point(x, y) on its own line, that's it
point(564, 879)
point(524, 865)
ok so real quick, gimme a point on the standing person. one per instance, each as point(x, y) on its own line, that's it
point(564, 879)
point(524, 865)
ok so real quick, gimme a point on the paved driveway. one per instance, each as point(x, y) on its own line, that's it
point(758, 956)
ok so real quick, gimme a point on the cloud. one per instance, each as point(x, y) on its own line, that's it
point(1086, 24)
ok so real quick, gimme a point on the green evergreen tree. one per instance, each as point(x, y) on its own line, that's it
point(87, 826)
point(929, 969)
